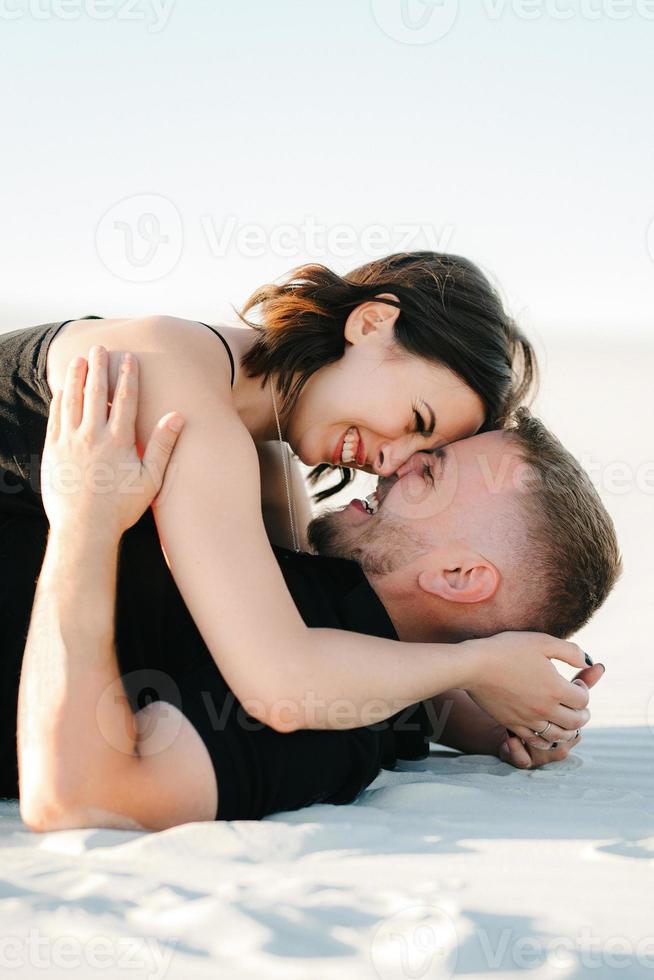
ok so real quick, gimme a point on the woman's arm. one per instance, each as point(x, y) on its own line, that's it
point(210, 524)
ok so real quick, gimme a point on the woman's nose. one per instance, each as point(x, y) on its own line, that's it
point(387, 459)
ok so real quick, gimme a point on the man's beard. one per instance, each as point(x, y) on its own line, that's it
point(380, 546)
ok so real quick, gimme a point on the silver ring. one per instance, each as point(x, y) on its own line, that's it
point(541, 734)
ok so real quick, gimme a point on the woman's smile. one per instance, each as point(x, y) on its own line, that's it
point(350, 449)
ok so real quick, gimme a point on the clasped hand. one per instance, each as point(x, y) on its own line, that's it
point(517, 684)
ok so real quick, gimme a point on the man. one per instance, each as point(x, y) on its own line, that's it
point(502, 530)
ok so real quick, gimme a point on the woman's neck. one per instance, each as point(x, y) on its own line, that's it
point(253, 402)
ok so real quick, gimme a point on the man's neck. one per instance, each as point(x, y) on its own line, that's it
point(413, 622)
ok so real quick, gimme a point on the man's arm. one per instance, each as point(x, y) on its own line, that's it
point(461, 724)
point(80, 762)
point(79, 746)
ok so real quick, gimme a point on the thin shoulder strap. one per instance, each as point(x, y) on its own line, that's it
point(227, 348)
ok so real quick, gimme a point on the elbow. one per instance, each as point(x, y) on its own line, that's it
point(279, 701)
point(43, 815)
point(282, 714)
point(287, 721)
point(52, 804)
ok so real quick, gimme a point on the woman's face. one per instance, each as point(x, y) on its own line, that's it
point(377, 405)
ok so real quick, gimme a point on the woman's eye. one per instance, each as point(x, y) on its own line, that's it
point(428, 475)
point(420, 422)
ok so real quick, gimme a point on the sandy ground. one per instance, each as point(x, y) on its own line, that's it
point(458, 866)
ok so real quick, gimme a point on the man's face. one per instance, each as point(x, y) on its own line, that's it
point(462, 492)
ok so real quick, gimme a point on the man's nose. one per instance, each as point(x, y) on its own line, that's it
point(414, 464)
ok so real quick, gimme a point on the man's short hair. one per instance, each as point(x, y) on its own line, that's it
point(576, 558)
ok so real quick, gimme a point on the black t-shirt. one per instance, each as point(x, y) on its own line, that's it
point(259, 771)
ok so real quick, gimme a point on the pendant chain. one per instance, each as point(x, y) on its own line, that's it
point(286, 463)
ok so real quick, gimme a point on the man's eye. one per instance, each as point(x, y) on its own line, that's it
point(428, 474)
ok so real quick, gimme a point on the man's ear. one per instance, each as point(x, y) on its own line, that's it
point(473, 579)
point(372, 320)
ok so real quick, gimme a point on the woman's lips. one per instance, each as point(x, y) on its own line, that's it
point(361, 453)
point(359, 460)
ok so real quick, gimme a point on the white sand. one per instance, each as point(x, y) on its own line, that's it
point(456, 866)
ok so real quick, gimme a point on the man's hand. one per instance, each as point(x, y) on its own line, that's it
point(91, 469)
point(523, 756)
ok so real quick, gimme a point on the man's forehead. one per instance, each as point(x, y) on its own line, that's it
point(492, 460)
point(496, 442)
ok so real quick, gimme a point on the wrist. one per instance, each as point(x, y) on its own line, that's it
point(474, 663)
point(81, 536)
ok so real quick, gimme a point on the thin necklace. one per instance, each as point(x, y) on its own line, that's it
point(285, 453)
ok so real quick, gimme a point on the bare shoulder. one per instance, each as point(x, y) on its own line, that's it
point(192, 349)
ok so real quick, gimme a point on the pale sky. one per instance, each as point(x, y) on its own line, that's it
point(167, 157)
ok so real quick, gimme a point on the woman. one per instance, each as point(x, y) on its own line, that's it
point(403, 354)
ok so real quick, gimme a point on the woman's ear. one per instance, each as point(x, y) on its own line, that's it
point(472, 580)
point(372, 321)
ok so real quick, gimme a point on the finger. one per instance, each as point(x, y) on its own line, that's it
point(573, 695)
point(517, 754)
point(54, 416)
point(542, 735)
point(554, 735)
point(73, 394)
point(551, 733)
point(557, 752)
point(568, 718)
point(590, 675)
point(96, 389)
point(160, 447)
point(560, 750)
point(122, 416)
point(568, 652)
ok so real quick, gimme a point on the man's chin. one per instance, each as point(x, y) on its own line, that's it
point(329, 534)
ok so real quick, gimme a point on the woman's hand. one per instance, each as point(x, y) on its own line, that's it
point(91, 469)
point(514, 751)
point(515, 682)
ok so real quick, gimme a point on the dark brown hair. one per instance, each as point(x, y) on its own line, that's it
point(574, 555)
point(449, 313)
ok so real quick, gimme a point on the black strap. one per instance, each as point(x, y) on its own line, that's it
point(227, 348)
